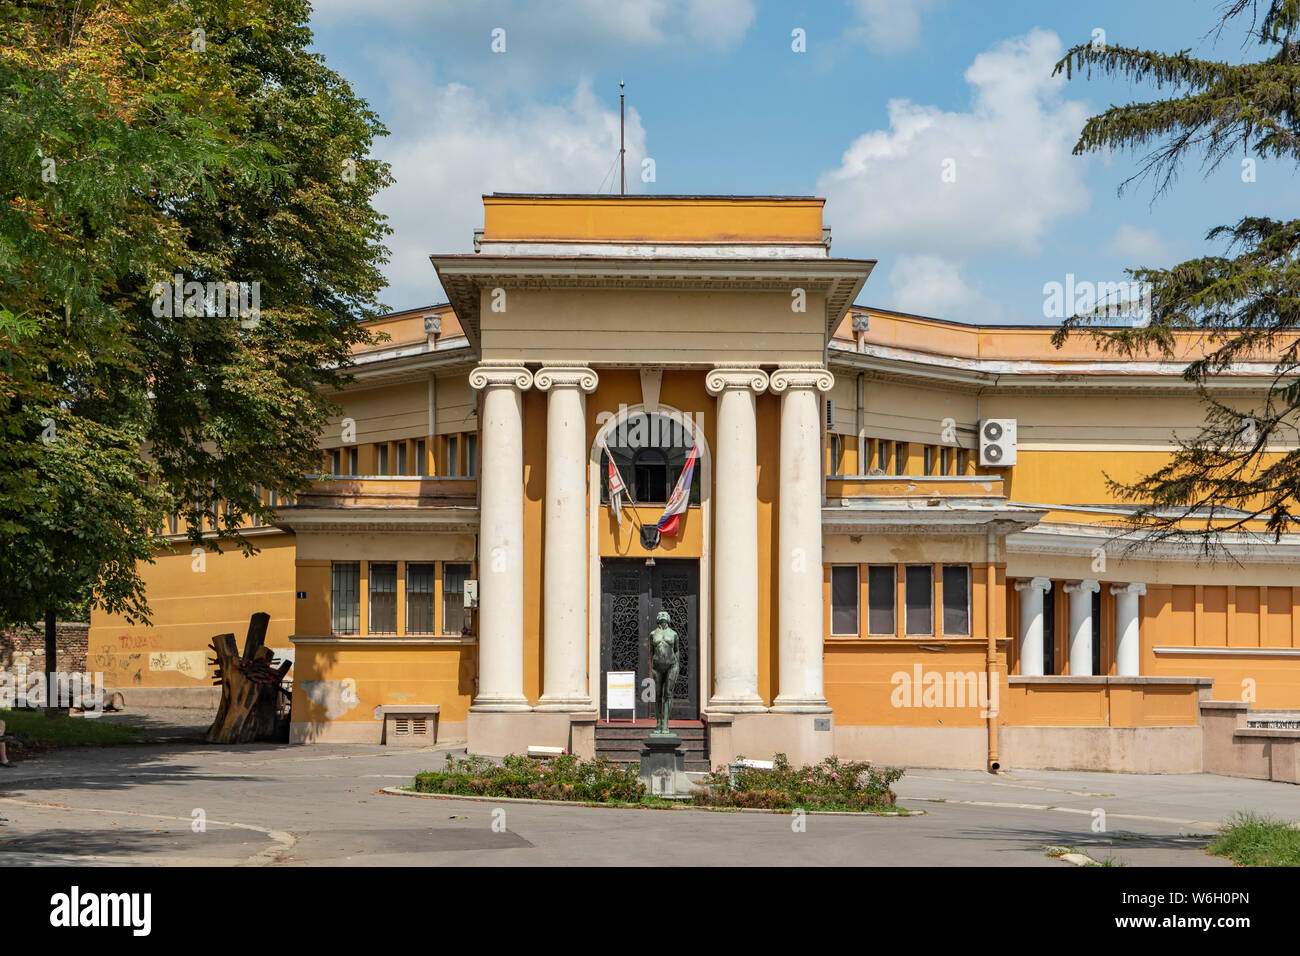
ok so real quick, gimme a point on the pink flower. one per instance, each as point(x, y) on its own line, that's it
point(835, 776)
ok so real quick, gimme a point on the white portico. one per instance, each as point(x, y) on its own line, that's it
point(576, 338)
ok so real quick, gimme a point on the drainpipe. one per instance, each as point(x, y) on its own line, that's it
point(991, 658)
point(864, 466)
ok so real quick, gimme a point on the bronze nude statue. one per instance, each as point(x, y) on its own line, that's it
point(665, 661)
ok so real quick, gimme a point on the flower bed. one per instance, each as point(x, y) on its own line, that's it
point(565, 777)
point(830, 785)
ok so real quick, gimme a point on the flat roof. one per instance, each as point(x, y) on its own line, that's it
point(635, 196)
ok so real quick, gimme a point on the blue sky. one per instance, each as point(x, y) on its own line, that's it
point(887, 96)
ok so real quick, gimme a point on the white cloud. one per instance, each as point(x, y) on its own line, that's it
point(1144, 247)
point(890, 26)
point(465, 147)
point(930, 285)
point(1009, 156)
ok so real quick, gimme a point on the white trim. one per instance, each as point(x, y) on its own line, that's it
point(1071, 540)
point(384, 639)
point(594, 510)
point(659, 250)
point(1061, 374)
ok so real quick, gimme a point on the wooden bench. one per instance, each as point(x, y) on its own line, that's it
point(410, 725)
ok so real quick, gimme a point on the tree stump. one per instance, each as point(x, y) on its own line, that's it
point(250, 687)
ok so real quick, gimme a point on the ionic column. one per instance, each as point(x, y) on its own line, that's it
point(1031, 624)
point(501, 539)
point(799, 530)
point(1128, 643)
point(735, 541)
point(564, 559)
point(1081, 593)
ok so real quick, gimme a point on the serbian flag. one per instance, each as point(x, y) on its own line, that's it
point(616, 488)
point(680, 497)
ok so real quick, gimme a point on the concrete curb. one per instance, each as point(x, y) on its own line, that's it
point(399, 792)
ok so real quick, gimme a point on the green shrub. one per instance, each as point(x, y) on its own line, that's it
point(566, 777)
point(832, 784)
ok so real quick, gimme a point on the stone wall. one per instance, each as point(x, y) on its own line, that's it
point(26, 647)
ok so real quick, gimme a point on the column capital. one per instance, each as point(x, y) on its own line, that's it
point(1082, 587)
point(1038, 584)
point(1135, 587)
point(727, 377)
point(566, 376)
point(810, 377)
point(499, 376)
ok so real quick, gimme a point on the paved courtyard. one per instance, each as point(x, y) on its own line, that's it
point(280, 805)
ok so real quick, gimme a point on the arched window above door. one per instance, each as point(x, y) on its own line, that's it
point(649, 452)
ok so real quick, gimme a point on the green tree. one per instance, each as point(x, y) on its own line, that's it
point(143, 140)
point(1244, 302)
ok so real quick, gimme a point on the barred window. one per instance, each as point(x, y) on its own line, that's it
point(383, 598)
point(345, 597)
point(844, 599)
point(956, 600)
point(419, 598)
point(918, 583)
point(882, 596)
point(455, 616)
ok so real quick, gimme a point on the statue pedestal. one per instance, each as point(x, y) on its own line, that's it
point(663, 766)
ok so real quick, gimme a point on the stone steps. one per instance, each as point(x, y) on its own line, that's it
point(622, 744)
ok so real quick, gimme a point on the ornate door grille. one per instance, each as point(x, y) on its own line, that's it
point(632, 595)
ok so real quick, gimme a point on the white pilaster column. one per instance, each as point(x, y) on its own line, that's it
point(501, 539)
point(735, 540)
point(1032, 591)
point(799, 530)
point(564, 559)
point(1128, 637)
point(1081, 593)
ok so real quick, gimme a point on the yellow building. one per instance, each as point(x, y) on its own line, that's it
point(898, 543)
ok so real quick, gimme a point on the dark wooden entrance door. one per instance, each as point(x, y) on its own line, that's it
point(631, 597)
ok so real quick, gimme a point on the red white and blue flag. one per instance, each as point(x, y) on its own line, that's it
point(616, 488)
point(681, 496)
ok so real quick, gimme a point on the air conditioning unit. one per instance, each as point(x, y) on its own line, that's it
point(998, 442)
point(830, 414)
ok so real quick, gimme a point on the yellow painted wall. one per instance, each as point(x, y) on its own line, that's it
point(746, 219)
point(861, 688)
point(190, 607)
point(1100, 705)
point(386, 673)
point(1205, 616)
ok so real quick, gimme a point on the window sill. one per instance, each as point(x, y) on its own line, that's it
point(877, 640)
point(383, 639)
